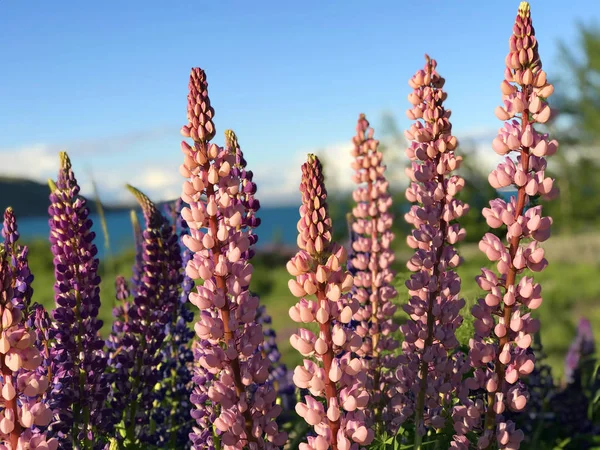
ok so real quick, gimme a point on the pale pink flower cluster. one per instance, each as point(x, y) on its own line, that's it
point(245, 404)
point(431, 367)
point(335, 379)
point(503, 324)
point(372, 259)
point(22, 386)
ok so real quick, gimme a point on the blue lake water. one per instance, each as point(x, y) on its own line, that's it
point(278, 224)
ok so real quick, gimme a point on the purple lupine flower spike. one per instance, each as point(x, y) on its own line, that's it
point(139, 333)
point(121, 344)
point(231, 377)
point(171, 419)
point(79, 387)
point(24, 382)
point(18, 254)
point(429, 372)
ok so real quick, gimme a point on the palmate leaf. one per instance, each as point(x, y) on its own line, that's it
point(383, 441)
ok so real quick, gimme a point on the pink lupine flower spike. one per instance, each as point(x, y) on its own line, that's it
point(332, 373)
point(431, 366)
point(503, 323)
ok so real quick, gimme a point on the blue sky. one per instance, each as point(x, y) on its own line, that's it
point(107, 81)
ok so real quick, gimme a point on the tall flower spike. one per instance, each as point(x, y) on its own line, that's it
point(231, 377)
point(172, 418)
point(79, 385)
point(24, 383)
point(329, 372)
point(121, 345)
point(18, 254)
point(141, 338)
point(429, 363)
point(371, 261)
point(278, 373)
point(246, 194)
point(503, 324)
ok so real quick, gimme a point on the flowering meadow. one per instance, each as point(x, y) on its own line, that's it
point(192, 361)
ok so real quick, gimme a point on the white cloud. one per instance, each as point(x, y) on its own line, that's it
point(37, 162)
point(278, 179)
point(40, 161)
point(278, 182)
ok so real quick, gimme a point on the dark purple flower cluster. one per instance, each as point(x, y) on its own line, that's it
point(121, 346)
point(79, 386)
point(172, 420)
point(140, 330)
point(22, 275)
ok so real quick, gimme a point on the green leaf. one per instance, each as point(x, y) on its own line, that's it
point(562, 444)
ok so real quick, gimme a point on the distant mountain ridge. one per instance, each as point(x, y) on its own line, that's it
point(29, 198)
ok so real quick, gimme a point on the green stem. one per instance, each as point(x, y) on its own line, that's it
point(130, 433)
point(173, 426)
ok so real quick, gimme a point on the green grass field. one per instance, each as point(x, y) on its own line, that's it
point(570, 287)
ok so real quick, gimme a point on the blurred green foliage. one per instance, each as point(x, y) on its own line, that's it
point(576, 125)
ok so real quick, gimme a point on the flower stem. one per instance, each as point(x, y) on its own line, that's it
point(424, 365)
point(490, 418)
point(11, 405)
point(330, 386)
point(229, 335)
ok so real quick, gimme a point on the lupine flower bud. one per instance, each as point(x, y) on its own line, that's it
point(336, 376)
point(230, 391)
point(503, 325)
point(431, 367)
